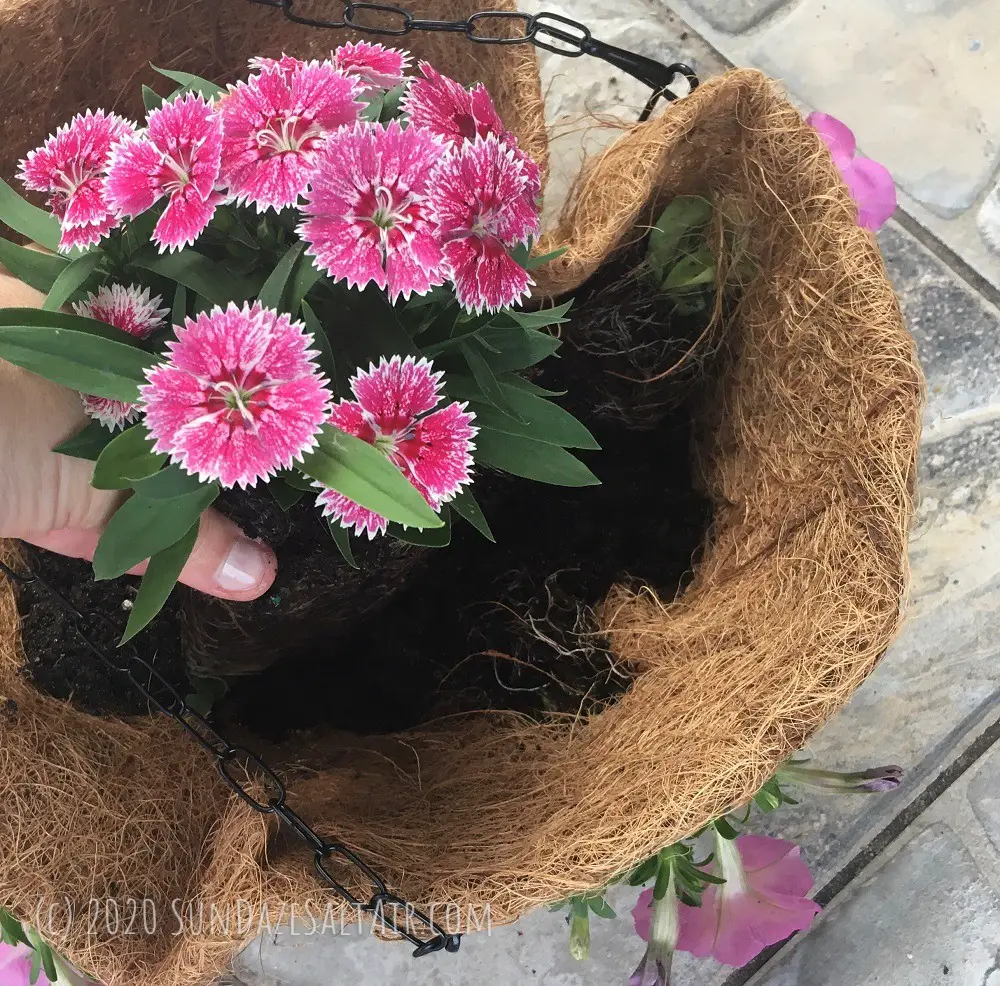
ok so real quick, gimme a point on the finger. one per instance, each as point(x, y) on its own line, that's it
point(228, 564)
point(224, 561)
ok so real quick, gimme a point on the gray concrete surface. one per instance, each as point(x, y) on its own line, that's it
point(909, 880)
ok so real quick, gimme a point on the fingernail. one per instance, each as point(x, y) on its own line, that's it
point(244, 568)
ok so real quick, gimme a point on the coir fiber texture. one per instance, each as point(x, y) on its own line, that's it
point(808, 452)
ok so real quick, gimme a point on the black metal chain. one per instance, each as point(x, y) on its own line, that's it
point(549, 31)
point(230, 759)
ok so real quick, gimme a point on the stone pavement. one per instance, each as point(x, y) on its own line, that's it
point(910, 881)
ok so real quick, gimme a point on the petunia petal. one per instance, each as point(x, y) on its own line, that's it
point(873, 189)
point(836, 135)
point(750, 923)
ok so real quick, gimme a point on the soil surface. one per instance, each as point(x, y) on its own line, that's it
point(424, 632)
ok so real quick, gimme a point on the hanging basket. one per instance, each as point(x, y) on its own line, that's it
point(807, 446)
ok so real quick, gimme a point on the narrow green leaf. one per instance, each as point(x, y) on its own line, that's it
point(273, 292)
point(517, 348)
point(644, 872)
point(342, 539)
point(466, 506)
point(178, 311)
point(126, 458)
point(390, 102)
point(686, 213)
point(662, 883)
point(530, 387)
point(535, 262)
point(438, 295)
point(321, 341)
point(690, 272)
point(161, 576)
point(532, 460)
point(71, 278)
point(725, 829)
point(373, 111)
point(284, 495)
point(37, 225)
point(36, 967)
point(88, 443)
point(80, 353)
point(363, 474)
point(436, 537)
point(369, 327)
point(296, 480)
point(538, 418)
point(48, 962)
point(485, 379)
point(195, 271)
point(195, 83)
point(34, 267)
point(306, 274)
point(541, 319)
point(151, 99)
point(167, 483)
point(141, 527)
point(13, 931)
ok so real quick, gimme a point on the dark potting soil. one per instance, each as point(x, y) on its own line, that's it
point(426, 632)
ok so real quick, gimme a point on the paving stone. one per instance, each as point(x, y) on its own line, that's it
point(736, 15)
point(989, 220)
point(984, 796)
point(926, 917)
point(957, 333)
point(918, 97)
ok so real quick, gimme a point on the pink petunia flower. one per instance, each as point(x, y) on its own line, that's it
point(367, 213)
point(656, 922)
point(15, 966)
point(69, 168)
point(869, 182)
point(273, 125)
point(762, 901)
point(375, 66)
point(481, 208)
point(240, 398)
point(178, 156)
point(394, 411)
point(133, 311)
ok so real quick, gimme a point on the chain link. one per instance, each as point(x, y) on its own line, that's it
point(232, 761)
point(552, 32)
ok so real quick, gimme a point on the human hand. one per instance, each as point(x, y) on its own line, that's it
point(47, 500)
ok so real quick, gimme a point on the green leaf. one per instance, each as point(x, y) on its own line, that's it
point(161, 576)
point(36, 967)
point(44, 954)
point(195, 83)
point(530, 387)
point(167, 483)
point(126, 458)
point(325, 360)
point(151, 99)
point(543, 318)
point(178, 311)
point(534, 262)
point(601, 908)
point(537, 418)
point(273, 292)
point(686, 213)
point(363, 474)
point(373, 111)
point(725, 829)
point(141, 527)
point(72, 277)
point(486, 380)
point(390, 102)
point(437, 537)
point(28, 220)
point(205, 693)
point(644, 872)
point(305, 276)
point(296, 480)
point(342, 539)
point(369, 328)
point(517, 348)
point(466, 506)
point(80, 353)
point(532, 460)
point(662, 883)
point(88, 443)
point(13, 932)
point(34, 267)
point(195, 271)
point(695, 271)
point(284, 495)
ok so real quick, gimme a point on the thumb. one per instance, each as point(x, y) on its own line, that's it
point(224, 561)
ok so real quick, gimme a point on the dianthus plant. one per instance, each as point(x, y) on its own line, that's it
point(310, 279)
